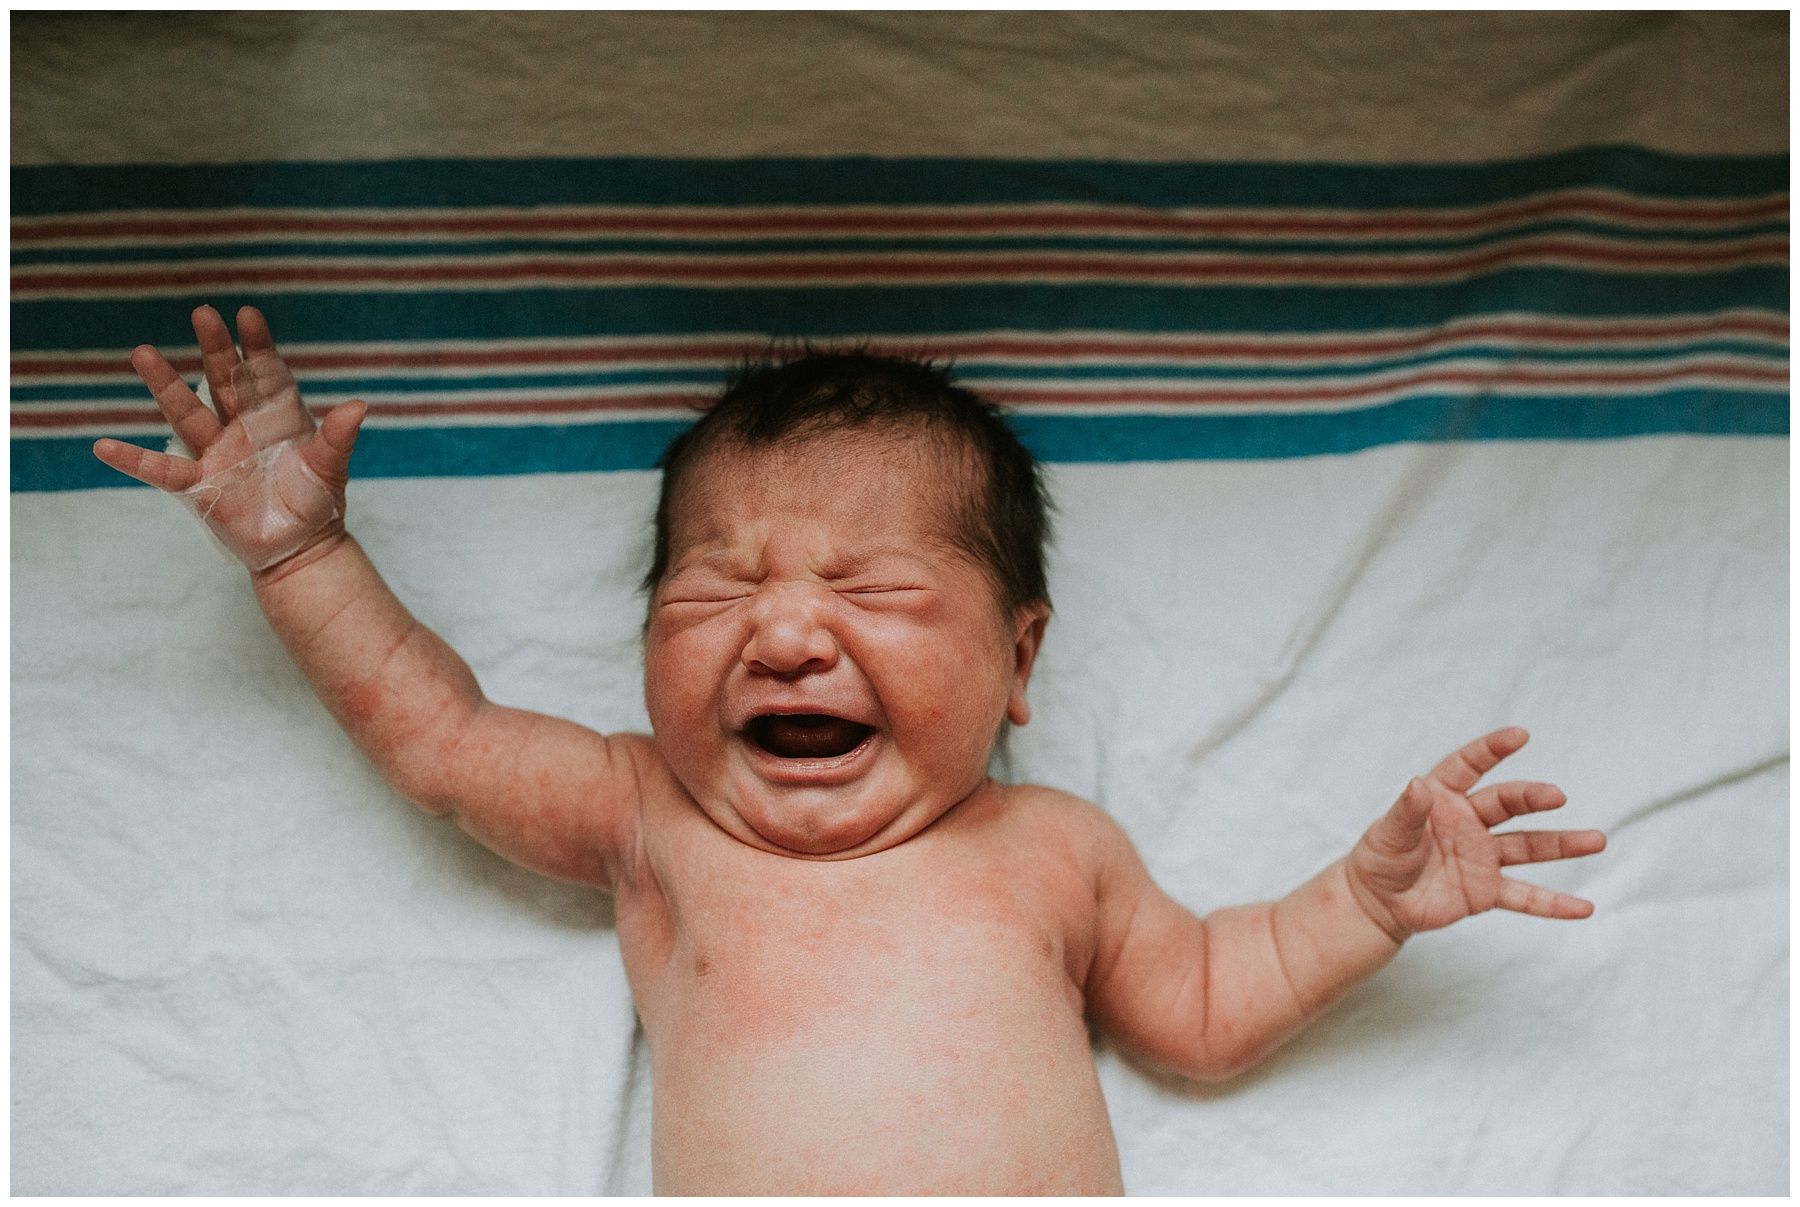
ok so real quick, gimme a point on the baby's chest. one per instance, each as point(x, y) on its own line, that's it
point(767, 947)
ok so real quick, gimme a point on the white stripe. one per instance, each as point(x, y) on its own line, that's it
point(155, 428)
point(1500, 367)
point(1183, 397)
point(720, 352)
point(745, 261)
point(1180, 402)
point(1076, 268)
point(483, 419)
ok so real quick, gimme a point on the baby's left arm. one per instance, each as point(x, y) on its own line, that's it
point(1209, 998)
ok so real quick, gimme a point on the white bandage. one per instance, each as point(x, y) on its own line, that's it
point(271, 504)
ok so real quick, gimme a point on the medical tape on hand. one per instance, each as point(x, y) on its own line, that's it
point(268, 402)
point(270, 505)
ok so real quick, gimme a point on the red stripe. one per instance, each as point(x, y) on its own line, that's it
point(114, 415)
point(1045, 347)
point(1312, 394)
point(850, 268)
point(975, 221)
point(87, 363)
point(399, 410)
point(1023, 395)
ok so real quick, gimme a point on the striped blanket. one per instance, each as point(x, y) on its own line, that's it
point(1353, 461)
point(520, 317)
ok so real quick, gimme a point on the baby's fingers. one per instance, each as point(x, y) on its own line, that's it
point(329, 452)
point(253, 332)
point(1460, 771)
point(219, 357)
point(1499, 802)
point(1401, 830)
point(152, 468)
point(1541, 846)
point(1540, 902)
point(197, 426)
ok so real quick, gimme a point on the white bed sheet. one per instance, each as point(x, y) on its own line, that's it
point(242, 965)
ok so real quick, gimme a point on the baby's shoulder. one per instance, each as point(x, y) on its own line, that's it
point(1066, 848)
point(1074, 820)
point(1043, 803)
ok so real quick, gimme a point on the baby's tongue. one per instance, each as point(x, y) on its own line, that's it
point(808, 736)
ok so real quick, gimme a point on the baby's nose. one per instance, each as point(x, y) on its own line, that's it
point(790, 635)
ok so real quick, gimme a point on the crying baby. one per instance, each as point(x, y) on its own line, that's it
point(862, 964)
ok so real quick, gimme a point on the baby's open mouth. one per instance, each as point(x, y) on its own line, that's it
point(806, 735)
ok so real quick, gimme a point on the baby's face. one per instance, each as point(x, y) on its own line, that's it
point(825, 672)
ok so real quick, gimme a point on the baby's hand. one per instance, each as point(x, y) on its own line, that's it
point(1431, 861)
point(267, 483)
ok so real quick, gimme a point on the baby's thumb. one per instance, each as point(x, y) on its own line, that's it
point(329, 453)
point(1413, 808)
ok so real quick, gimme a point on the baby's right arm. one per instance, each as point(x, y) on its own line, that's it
point(548, 794)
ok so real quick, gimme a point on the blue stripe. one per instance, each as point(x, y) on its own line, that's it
point(1673, 234)
point(74, 189)
point(351, 317)
point(1415, 420)
point(63, 463)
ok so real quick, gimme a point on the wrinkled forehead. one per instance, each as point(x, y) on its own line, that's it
point(912, 477)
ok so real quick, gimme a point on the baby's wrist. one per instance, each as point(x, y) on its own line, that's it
point(1369, 905)
point(322, 546)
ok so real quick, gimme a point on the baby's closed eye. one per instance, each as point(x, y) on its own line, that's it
point(877, 588)
point(697, 594)
point(882, 595)
point(704, 595)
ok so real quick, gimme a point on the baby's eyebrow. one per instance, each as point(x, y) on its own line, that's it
point(722, 562)
point(852, 564)
point(736, 566)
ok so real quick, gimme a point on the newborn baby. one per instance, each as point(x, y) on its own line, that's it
point(862, 965)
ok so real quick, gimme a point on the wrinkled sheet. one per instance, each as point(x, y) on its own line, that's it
point(240, 964)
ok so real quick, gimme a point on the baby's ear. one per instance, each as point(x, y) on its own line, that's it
point(1029, 623)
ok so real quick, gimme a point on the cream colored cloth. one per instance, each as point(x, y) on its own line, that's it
point(1354, 87)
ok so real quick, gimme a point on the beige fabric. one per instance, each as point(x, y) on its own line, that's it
point(1392, 86)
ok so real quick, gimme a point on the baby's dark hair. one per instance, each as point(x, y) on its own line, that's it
point(1005, 524)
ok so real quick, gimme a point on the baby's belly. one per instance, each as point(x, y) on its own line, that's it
point(829, 1065)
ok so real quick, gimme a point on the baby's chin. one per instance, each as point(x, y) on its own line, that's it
point(844, 822)
point(807, 833)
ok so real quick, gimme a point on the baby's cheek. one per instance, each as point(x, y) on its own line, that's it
point(954, 702)
point(674, 688)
